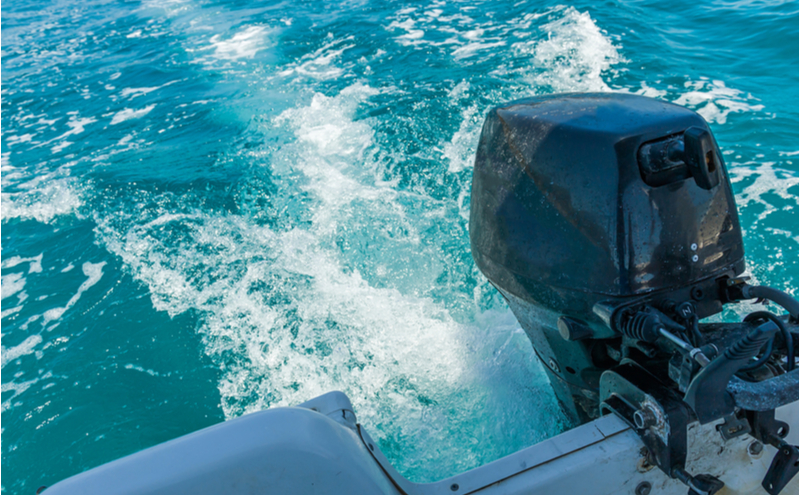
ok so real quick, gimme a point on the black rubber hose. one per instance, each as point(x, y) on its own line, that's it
point(787, 336)
point(698, 337)
point(782, 299)
point(763, 359)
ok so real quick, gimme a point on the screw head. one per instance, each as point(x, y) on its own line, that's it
point(695, 258)
point(694, 247)
point(697, 293)
point(553, 365)
point(454, 487)
point(643, 488)
point(755, 448)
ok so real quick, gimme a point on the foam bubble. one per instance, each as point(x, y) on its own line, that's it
point(767, 179)
point(650, 92)
point(25, 348)
point(569, 52)
point(244, 44)
point(320, 63)
point(412, 34)
point(128, 114)
point(170, 7)
point(60, 146)
point(134, 92)
point(10, 311)
point(141, 369)
point(42, 203)
point(11, 284)
point(715, 101)
point(76, 126)
point(93, 272)
point(573, 56)
point(34, 267)
point(17, 388)
point(460, 150)
point(18, 139)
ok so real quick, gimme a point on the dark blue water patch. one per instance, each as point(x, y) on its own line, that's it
point(110, 355)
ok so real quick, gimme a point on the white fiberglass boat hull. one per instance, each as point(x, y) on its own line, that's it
point(318, 447)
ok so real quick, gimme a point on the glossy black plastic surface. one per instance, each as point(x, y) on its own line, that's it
point(583, 204)
point(562, 217)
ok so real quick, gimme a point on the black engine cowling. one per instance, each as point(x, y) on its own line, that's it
point(582, 203)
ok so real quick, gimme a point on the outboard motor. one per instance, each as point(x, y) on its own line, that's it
point(608, 224)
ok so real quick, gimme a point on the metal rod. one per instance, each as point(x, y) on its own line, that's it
point(694, 352)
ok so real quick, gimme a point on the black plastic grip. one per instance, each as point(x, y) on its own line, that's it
point(700, 154)
point(707, 394)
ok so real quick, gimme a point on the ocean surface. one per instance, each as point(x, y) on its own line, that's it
point(211, 208)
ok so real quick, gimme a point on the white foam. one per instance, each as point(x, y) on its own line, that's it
point(35, 263)
point(46, 122)
point(244, 44)
point(25, 348)
point(320, 64)
point(170, 7)
point(129, 114)
point(287, 314)
point(42, 203)
point(412, 35)
point(93, 272)
point(573, 56)
point(10, 173)
point(17, 139)
point(766, 179)
point(11, 284)
point(141, 369)
point(715, 101)
point(651, 92)
point(460, 150)
point(472, 48)
point(474, 34)
point(76, 126)
point(60, 146)
point(388, 350)
point(569, 52)
point(17, 388)
point(134, 92)
point(10, 311)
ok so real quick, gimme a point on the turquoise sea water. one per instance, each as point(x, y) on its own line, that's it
point(213, 208)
